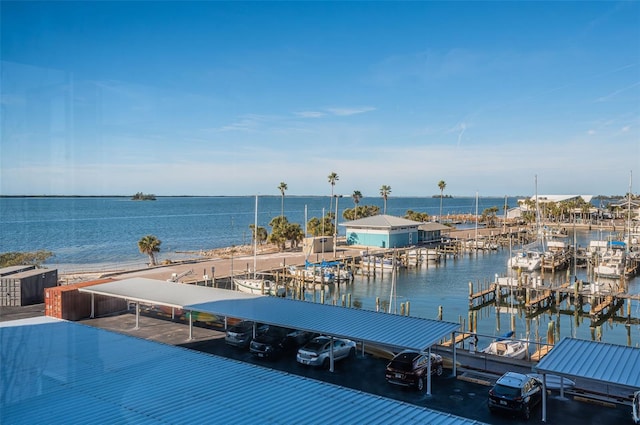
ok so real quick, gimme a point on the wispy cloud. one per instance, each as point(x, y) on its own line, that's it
point(310, 114)
point(350, 111)
point(617, 92)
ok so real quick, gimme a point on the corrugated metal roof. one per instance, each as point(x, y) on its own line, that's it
point(362, 325)
point(598, 361)
point(62, 372)
point(381, 221)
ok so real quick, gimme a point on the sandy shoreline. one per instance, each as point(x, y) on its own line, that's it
point(227, 261)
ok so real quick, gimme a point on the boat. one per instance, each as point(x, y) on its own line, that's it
point(612, 264)
point(555, 382)
point(312, 273)
point(529, 260)
point(257, 284)
point(506, 347)
point(635, 414)
point(371, 261)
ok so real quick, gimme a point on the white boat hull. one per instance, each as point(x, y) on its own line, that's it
point(255, 286)
point(508, 348)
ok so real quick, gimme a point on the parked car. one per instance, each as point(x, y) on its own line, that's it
point(635, 412)
point(317, 351)
point(515, 392)
point(241, 334)
point(277, 340)
point(409, 368)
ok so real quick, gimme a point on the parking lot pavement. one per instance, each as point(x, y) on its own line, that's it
point(449, 394)
point(366, 373)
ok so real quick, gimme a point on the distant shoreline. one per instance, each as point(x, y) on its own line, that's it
point(292, 196)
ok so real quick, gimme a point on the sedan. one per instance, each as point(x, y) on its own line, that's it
point(317, 352)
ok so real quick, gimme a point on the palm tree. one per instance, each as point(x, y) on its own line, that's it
point(283, 187)
point(385, 191)
point(357, 196)
point(150, 245)
point(441, 185)
point(333, 178)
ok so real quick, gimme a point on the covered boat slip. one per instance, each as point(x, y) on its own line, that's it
point(369, 327)
point(56, 371)
point(610, 364)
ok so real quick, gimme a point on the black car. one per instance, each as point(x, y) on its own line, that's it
point(515, 392)
point(409, 368)
point(241, 334)
point(277, 340)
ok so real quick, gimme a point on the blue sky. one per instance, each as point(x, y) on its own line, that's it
point(232, 98)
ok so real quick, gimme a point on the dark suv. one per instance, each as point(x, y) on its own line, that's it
point(515, 392)
point(409, 368)
point(241, 334)
point(276, 341)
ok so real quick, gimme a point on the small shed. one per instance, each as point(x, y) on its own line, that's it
point(382, 231)
point(316, 244)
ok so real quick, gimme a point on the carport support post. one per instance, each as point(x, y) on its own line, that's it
point(453, 339)
point(331, 369)
point(544, 397)
point(190, 325)
point(137, 315)
point(429, 374)
point(93, 306)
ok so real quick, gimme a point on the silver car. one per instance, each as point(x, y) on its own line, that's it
point(317, 351)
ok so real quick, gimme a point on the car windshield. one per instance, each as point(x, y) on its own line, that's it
point(503, 390)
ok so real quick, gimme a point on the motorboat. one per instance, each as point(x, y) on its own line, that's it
point(611, 264)
point(529, 260)
point(505, 347)
point(313, 274)
point(512, 349)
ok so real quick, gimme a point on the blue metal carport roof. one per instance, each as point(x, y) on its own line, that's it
point(610, 364)
point(597, 361)
point(403, 332)
point(55, 371)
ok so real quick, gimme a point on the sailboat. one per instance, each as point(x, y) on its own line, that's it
point(257, 284)
point(529, 258)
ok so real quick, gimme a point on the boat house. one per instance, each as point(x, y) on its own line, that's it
point(382, 231)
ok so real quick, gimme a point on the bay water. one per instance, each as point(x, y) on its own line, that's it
point(101, 233)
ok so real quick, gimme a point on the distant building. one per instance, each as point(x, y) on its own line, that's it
point(383, 231)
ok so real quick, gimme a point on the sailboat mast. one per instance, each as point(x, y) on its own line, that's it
point(255, 238)
point(629, 213)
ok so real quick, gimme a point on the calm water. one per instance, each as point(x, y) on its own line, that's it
point(100, 233)
point(96, 232)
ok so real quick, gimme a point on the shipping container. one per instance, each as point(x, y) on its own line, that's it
point(26, 287)
point(66, 302)
point(6, 271)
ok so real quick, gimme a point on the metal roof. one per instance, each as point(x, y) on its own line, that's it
point(362, 325)
point(381, 221)
point(598, 361)
point(63, 372)
point(431, 226)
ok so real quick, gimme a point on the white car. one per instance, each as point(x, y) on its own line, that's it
point(636, 407)
point(317, 351)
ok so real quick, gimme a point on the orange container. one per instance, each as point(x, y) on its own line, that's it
point(66, 302)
